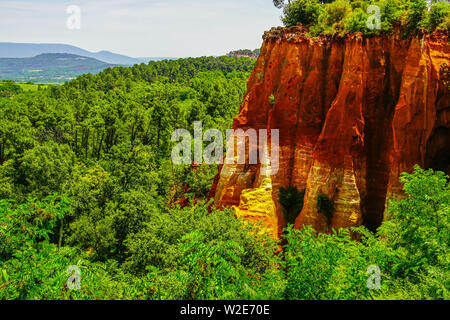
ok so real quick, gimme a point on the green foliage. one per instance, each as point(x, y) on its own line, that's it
point(187, 253)
point(342, 16)
point(301, 11)
point(46, 169)
point(438, 13)
point(391, 13)
point(334, 16)
point(7, 89)
point(272, 99)
point(199, 181)
point(357, 21)
point(418, 231)
point(26, 224)
point(25, 251)
point(330, 266)
point(416, 13)
point(292, 201)
point(120, 120)
point(325, 206)
point(88, 164)
point(421, 222)
point(411, 249)
point(211, 255)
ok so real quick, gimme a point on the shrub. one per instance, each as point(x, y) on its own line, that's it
point(292, 202)
point(46, 169)
point(411, 250)
point(325, 206)
point(209, 256)
point(8, 89)
point(438, 12)
point(357, 21)
point(416, 13)
point(418, 230)
point(422, 221)
point(330, 266)
point(305, 12)
point(337, 17)
point(391, 11)
point(445, 25)
point(332, 18)
point(272, 99)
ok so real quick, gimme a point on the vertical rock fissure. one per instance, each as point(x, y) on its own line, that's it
point(377, 148)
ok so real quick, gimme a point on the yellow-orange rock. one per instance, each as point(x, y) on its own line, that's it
point(353, 113)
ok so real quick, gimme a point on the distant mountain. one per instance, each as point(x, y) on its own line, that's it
point(28, 50)
point(146, 60)
point(49, 67)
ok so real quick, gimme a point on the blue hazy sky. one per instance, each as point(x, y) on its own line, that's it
point(142, 28)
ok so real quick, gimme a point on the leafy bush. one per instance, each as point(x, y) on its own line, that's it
point(302, 11)
point(411, 249)
point(191, 253)
point(7, 89)
point(272, 100)
point(292, 202)
point(420, 223)
point(214, 256)
point(438, 12)
point(325, 206)
point(357, 21)
point(330, 266)
point(335, 14)
point(46, 169)
point(341, 16)
point(416, 13)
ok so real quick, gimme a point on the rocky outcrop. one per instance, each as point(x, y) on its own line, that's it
point(353, 114)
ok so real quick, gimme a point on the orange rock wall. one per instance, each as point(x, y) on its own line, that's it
point(353, 113)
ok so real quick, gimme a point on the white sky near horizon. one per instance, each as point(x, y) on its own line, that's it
point(142, 28)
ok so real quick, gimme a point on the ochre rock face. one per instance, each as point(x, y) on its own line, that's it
point(353, 114)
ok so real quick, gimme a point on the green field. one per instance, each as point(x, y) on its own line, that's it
point(31, 86)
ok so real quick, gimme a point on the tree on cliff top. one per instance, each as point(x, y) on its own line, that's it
point(344, 16)
point(305, 12)
point(278, 3)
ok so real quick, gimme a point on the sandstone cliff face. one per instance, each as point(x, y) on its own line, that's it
point(353, 114)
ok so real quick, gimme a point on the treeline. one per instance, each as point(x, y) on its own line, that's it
point(9, 88)
point(245, 52)
point(366, 16)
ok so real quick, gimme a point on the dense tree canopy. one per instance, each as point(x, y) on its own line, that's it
point(366, 16)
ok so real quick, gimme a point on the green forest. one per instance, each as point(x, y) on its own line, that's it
point(86, 180)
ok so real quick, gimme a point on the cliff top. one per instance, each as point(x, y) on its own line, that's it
point(300, 33)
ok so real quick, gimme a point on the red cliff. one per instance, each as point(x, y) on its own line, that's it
point(353, 114)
